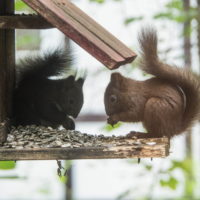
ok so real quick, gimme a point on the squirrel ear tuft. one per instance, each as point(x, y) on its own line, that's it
point(80, 82)
point(71, 78)
point(117, 79)
point(115, 76)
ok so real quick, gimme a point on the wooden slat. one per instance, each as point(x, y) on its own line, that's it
point(124, 148)
point(24, 22)
point(7, 66)
point(80, 153)
point(44, 143)
point(78, 32)
point(96, 28)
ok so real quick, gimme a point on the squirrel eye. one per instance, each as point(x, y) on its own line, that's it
point(113, 98)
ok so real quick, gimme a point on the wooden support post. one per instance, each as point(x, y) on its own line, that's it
point(7, 63)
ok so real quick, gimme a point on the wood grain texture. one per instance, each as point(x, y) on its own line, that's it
point(112, 149)
point(7, 65)
point(95, 28)
point(24, 22)
point(72, 25)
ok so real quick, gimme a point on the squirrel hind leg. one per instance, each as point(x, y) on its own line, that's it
point(161, 117)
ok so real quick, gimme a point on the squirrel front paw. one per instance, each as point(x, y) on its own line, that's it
point(112, 121)
point(69, 124)
point(134, 134)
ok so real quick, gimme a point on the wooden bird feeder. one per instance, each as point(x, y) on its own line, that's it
point(92, 37)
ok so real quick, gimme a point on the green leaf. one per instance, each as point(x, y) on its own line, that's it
point(184, 165)
point(20, 6)
point(63, 179)
point(7, 165)
point(171, 183)
point(44, 191)
point(175, 4)
point(129, 20)
point(98, 1)
point(109, 127)
point(13, 177)
point(27, 40)
point(148, 167)
point(166, 15)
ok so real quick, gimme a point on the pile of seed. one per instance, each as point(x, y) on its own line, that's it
point(45, 137)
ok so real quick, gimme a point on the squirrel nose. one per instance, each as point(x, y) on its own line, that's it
point(71, 125)
point(75, 115)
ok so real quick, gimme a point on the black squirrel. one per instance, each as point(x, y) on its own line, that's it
point(43, 101)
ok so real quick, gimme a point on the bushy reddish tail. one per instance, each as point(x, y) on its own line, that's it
point(188, 81)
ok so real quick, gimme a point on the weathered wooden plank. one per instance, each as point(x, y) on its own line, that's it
point(77, 32)
point(40, 143)
point(112, 152)
point(7, 63)
point(96, 28)
point(24, 22)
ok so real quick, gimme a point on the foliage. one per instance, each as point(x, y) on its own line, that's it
point(110, 128)
point(186, 166)
point(20, 5)
point(130, 20)
point(166, 178)
point(103, 1)
point(127, 20)
point(98, 1)
point(13, 177)
point(7, 165)
point(65, 171)
point(27, 39)
point(171, 183)
point(175, 12)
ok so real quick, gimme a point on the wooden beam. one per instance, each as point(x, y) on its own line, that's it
point(7, 69)
point(89, 35)
point(95, 28)
point(109, 152)
point(24, 22)
point(40, 143)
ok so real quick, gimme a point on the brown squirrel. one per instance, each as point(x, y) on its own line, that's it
point(167, 104)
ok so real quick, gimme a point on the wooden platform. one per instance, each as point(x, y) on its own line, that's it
point(39, 143)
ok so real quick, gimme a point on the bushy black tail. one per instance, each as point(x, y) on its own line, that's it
point(40, 67)
point(188, 81)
